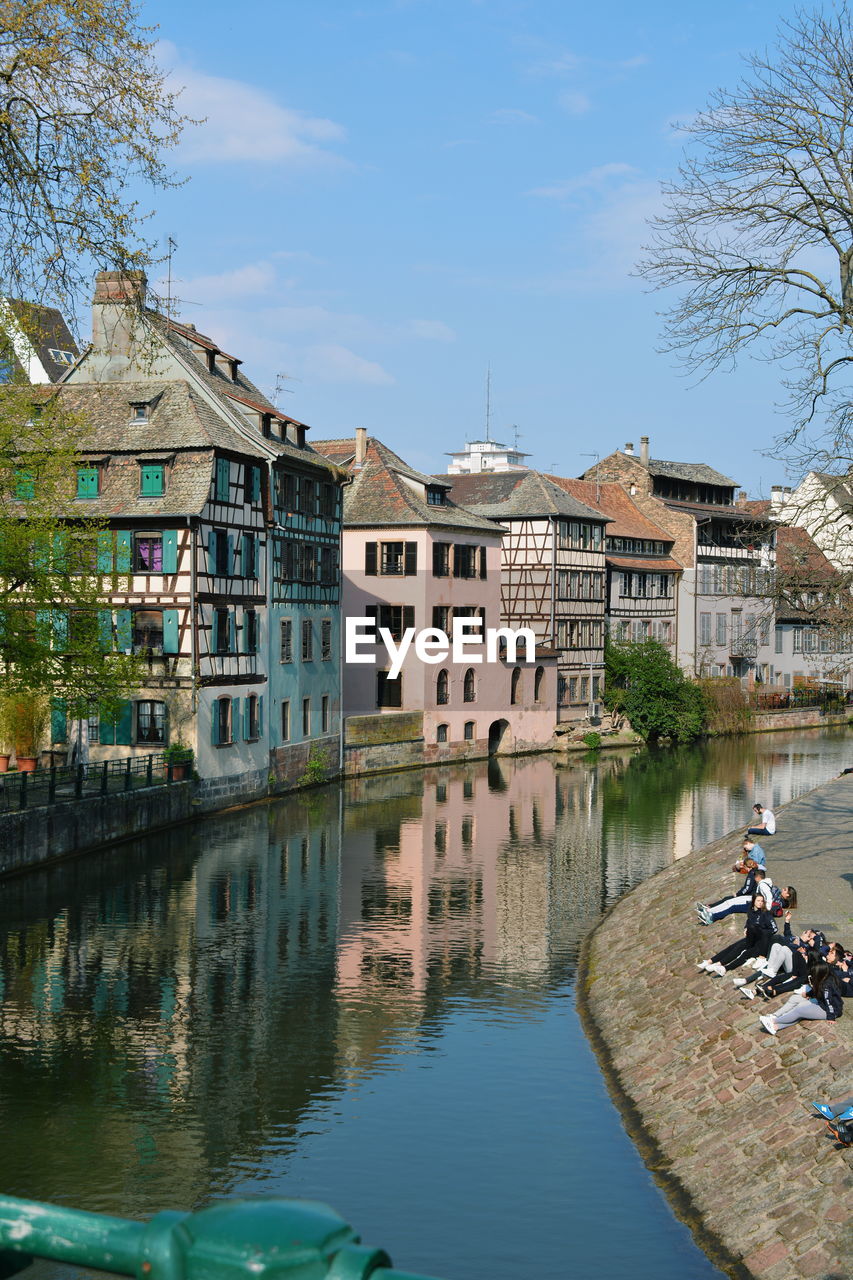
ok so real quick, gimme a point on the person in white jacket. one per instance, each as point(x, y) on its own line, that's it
point(765, 822)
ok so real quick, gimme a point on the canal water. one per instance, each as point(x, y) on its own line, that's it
point(365, 995)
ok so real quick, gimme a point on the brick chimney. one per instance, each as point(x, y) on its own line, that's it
point(360, 446)
point(116, 307)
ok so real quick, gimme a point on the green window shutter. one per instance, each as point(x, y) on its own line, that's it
point(60, 551)
point(58, 721)
point(214, 724)
point(214, 647)
point(261, 716)
point(151, 481)
point(410, 564)
point(171, 637)
point(232, 632)
point(106, 730)
point(247, 725)
point(124, 724)
point(211, 551)
point(59, 624)
point(124, 630)
point(170, 551)
point(106, 557)
point(87, 482)
point(123, 550)
point(233, 569)
point(255, 485)
point(105, 630)
point(482, 562)
point(223, 480)
point(25, 488)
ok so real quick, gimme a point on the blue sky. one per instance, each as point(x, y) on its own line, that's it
point(388, 197)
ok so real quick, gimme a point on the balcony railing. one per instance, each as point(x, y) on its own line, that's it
point(744, 647)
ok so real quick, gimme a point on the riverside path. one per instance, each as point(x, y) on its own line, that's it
point(720, 1108)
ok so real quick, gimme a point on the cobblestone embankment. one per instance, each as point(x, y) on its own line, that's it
point(723, 1107)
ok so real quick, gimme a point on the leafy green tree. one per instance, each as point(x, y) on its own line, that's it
point(56, 637)
point(85, 119)
point(644, 684)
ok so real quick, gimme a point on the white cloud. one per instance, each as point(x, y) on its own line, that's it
point(432, 331)
point(577, 104)
point(593, 180)
point(243, 123)
point(254, 280)
point(512, 115)
point(333, 363)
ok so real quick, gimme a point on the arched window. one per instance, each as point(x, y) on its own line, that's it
point(442, 688)
point(537, 684)
point(469, 731)
point(468, 692)
point(513, 688)
point(441, 733)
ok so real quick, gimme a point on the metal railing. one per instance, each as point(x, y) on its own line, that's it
point(20, 790)
point(798, 699)
point(233, 1240)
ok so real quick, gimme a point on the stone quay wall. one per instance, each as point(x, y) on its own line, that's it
point(720, 1108)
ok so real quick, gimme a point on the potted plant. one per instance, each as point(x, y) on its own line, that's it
point(25, 718)
point(180, 757)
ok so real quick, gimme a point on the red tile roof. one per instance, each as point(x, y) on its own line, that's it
point(628, 520)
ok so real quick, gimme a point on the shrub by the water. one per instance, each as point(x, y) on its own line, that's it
point(644, 684)
point(728, 708)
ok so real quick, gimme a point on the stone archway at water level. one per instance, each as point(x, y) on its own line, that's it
point(500, 738)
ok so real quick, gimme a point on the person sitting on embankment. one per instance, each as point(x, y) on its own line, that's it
point(777, 900)
point(764, 823)
point(758, 936)
point(786, 967)
point(823, 1004)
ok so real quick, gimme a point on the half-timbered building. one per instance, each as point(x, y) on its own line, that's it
point(727, 553)
point(415, 559)
point(642, 576)
point(224, 533)
point(552, 573)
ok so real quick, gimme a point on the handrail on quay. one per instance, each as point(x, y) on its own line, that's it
point(241, 1239)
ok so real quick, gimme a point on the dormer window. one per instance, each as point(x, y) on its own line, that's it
point(151, 480)
point(140, 411)
point(88, 481)
point(435, 496)
point(60, 357)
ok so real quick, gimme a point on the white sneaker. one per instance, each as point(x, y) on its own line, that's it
point(719, 969)
point(748, 993)
point(739, 982)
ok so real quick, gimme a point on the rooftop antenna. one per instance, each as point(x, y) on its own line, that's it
point(172, 246)
point(488, 400)
point(597, 457)
point(280, 379)
point(516, 433)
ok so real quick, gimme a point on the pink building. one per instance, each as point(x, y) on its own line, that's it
point(413, 559)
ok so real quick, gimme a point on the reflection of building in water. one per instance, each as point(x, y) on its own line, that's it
point(495, 866)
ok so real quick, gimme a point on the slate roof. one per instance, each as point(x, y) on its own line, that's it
point(517, 495)
point(236, 395)
point(708, 510)
point(45, 330)
point(698, 472)
point(628, 521)
point(379, 495)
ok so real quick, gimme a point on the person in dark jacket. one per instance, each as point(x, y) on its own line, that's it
point(787, 966)
point(757, 938)
point(824, 1004)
